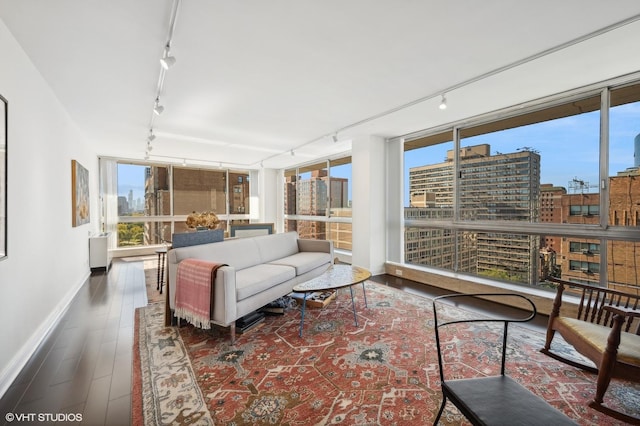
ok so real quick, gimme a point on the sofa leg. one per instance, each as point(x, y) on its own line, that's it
point(232, 329)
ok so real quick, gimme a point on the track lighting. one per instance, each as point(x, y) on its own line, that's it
point(443, 102)
point(168, 61)
point(158, 109)
point(151, 136)
point(184, 162)
point(335, 138)
point(293, 154)
point(149, 147)
point(146, 155)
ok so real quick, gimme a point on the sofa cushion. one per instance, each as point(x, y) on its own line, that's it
point(253, 280)
point(241, 253)
point(277, 246)
point(304, 262)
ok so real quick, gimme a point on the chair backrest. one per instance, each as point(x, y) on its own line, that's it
point(473, 317)
point(186, 239)
point(593, 300)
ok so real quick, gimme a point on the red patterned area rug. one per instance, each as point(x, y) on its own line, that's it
point(382, 372)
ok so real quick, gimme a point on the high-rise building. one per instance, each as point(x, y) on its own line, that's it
point(312, 196)
point(551, 212)
point(491, 187)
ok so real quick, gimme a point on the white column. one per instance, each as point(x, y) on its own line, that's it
point(265, 196)
point(395, 200)
point(369, 203)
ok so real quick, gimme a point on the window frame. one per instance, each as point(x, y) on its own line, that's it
point(602, 231)
point(330, 217)
point(227, 218)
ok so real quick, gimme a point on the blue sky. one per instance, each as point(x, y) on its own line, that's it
point(568, 149)
point(131, 177)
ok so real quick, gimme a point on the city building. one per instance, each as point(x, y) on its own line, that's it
point(483, 196)
point(318, 194)
point(578, 259)
point(551, 211)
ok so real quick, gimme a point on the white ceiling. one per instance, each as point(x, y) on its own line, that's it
point(255, 79)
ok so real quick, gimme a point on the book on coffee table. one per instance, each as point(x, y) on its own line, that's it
point(316, 299)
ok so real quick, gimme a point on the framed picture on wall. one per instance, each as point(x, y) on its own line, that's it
point(79, 194)
point(4, 114)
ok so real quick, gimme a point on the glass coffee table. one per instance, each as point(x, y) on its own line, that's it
point(337, 276)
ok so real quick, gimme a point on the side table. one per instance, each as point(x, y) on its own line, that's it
point(162, 254)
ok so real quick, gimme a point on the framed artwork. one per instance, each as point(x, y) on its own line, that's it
point(79, 194)
point(4, 114)
point(250, 229)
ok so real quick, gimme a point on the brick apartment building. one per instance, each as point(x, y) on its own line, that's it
point(579, 258)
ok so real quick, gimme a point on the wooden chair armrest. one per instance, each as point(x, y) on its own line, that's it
point(627, 312)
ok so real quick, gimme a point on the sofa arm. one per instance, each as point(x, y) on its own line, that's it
point(224, 296)
point(324, 246)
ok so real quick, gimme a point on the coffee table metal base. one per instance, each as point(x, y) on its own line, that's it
point(353, 303)
point(336, 277)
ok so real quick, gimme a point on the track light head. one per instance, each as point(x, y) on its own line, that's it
point(168, 61)
point(157, 108)
point(335, 138)
point(151, 137)
point(293, 154)
point(443, 103)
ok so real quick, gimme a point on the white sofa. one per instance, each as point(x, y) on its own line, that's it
point(260, 270)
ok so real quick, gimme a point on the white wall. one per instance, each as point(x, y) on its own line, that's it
point(47, 258)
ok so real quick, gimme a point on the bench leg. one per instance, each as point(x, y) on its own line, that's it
point(444, 402)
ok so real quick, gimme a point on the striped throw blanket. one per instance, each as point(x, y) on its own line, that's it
point(194, 295)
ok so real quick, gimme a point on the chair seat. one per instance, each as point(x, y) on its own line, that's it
point(596, 336)
point(500, 400)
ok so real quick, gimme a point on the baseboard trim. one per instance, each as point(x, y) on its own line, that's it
point(18, 362)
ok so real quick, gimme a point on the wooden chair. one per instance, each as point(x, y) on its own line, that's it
point(492, 400)
point(605, 328)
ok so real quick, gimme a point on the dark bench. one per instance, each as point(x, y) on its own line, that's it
point(493, 400)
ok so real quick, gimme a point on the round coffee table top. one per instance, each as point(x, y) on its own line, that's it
point(337, 276)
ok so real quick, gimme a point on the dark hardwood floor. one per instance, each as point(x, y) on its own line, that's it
point(84, 365)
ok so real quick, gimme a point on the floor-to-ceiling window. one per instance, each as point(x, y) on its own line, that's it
point(519, 198)
point(318, 201)
point(623, 255)
point(155, 200)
